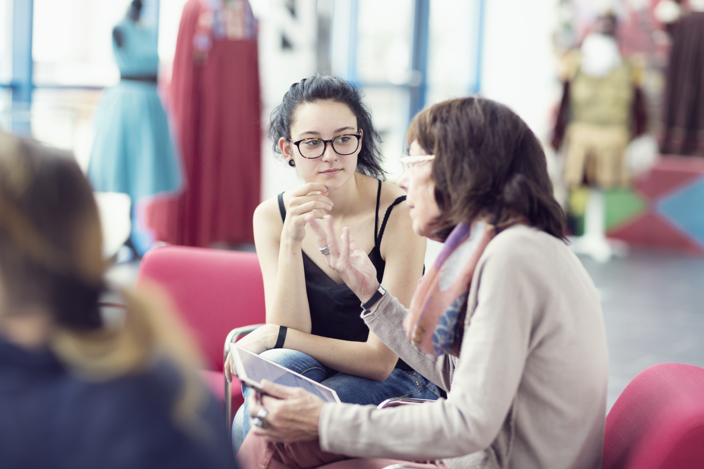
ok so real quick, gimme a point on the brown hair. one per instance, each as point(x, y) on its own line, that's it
point(487, 160)
point(51, 256)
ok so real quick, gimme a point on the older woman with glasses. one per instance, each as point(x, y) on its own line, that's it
point(324, 132)
point(506, 320)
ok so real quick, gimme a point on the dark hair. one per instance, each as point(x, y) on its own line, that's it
point(49, 233)
point(51, 256)
point(328, 88)
point(486, 160)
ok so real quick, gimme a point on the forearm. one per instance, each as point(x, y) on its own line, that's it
point(290, 302)
point(386, 322)
point(371, 359)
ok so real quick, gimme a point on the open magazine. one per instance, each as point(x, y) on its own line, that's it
point(252, 369)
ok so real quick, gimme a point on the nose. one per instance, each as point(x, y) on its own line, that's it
point(329, 154)
point(403, 181)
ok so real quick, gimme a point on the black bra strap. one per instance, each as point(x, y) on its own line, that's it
point(282, 207)
point(376, 214)
point(386, 218)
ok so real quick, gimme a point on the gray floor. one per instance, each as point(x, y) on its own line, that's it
point(653, 311)
point(652, 304)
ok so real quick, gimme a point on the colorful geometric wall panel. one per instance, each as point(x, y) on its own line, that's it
point(672, 214)
point(622, 205)
point(685, 209)
point(651, 230)
point(668, 174)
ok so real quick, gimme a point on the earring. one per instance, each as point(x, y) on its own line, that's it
point(291, 163)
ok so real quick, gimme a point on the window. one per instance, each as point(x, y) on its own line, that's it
point(384, 41)
point(72, 41)
point(5, 42)
point(453, 49)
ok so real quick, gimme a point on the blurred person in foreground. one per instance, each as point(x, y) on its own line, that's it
point(506, 320)
point(75, 392)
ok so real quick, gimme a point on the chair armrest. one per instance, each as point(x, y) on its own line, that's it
point(397, 401)
point(233, 336)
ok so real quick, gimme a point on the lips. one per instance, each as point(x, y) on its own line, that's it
point(331, 171)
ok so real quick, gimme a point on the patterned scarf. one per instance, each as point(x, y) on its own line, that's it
point(436, 320)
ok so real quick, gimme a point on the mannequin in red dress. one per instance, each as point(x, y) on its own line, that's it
point(215, 102)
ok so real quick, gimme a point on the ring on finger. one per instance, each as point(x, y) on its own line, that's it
point(325, 250)
point(259, 423)
point(262, 413)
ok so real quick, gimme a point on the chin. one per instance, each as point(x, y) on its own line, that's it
point(420, 229)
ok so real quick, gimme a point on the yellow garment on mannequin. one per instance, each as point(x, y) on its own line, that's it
point(597, 151)
point(599, 129)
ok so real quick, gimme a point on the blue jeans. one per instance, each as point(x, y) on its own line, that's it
point(351, 389)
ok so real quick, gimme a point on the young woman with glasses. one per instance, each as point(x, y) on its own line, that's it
point(324, 131)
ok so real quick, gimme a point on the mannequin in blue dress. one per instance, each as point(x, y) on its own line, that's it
point(133, 149)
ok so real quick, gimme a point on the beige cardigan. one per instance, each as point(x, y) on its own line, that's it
point(529, 388)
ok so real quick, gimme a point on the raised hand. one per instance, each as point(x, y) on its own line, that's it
point(346, 258)
point(308, 200)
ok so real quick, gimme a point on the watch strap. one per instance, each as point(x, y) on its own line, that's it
point(381, 291)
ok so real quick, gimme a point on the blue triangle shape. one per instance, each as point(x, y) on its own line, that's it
point(685, 209)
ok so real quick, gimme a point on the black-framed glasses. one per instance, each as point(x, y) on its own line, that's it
point(344, 144)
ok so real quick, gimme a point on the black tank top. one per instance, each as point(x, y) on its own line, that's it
point(334, 309)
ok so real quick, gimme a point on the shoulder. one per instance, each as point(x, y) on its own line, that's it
point(636, 66)
point(268, 211)
point(389, 203)
point(525, 248)
point(389, 194)
point(569, 64)
point(399, 225)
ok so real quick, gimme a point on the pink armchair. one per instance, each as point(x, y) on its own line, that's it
point(214, 291)
point(658, 420)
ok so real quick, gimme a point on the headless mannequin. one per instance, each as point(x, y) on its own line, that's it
point(600, 56)
point(133, 12)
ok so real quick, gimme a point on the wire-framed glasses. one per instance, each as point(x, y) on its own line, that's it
point(410, 162)
point(344, 144)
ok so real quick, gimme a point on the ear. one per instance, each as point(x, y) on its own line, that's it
point(285, 147)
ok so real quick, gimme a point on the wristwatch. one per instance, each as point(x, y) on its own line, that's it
point(381, 291)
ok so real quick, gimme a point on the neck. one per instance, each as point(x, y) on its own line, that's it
point(347, 198)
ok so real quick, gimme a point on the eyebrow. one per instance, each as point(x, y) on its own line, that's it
point(341, 129)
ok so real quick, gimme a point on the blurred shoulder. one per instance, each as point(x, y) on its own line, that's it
point(526, 246)
point(568, 64)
